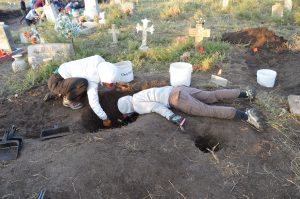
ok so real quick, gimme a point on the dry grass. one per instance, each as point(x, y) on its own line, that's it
point(170, 12)
point(276, 110)
point(295, 43)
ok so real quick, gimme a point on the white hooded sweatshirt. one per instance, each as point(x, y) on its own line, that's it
point(90, 69)
point(153, 100)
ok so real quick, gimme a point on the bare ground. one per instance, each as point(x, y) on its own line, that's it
point(151, 158)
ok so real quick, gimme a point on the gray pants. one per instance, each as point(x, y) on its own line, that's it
point(195, 101)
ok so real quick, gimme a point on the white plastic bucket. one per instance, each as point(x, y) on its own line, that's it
point(125, 73)
point(266, 77)
point(180, 74)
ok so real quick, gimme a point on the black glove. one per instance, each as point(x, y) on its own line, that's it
point(177, 119)
point(129, 119)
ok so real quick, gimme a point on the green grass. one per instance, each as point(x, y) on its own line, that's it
point(163, 48)
point(29, 79)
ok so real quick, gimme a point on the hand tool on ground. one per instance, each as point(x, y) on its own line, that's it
point(55, 132)
point(10, 145)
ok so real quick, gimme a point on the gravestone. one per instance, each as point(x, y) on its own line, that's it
point(114, 33)
point(117, 1)
point(91, 8)
point(277, 10)
point(6, 40)
point(39, 53)
point(88, 27)
point(102, 18)
point(51, 12)
point(144, 28)
point(294, 104)
point(225, 4)
point(199, 33)
point(288, 5)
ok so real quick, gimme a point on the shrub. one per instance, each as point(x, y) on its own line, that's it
point(170, 12)
point(297, 17)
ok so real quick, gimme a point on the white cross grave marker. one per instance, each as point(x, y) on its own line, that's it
point(199, 33)
point(145, 29)
point(114, 33)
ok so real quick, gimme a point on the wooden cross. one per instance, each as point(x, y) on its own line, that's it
point(114, 33)
point(199, 33)
point(145, 29)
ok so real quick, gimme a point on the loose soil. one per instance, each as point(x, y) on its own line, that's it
point(151, 157)
point(257, 38)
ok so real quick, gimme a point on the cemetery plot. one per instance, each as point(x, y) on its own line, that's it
point(149, 157)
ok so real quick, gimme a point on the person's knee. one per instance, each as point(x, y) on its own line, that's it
point(50, 82)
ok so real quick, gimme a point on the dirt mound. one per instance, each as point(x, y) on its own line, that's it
point(257, 38)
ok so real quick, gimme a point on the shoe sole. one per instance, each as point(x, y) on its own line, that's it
point(259, 121)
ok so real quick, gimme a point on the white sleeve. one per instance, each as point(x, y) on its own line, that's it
point(143, 107)
point(93, 97)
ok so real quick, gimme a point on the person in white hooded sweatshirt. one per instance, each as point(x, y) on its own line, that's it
point(191, 101)
point(74, 79)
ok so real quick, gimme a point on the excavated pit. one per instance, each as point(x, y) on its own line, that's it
point(207, 143)
point(109, 102)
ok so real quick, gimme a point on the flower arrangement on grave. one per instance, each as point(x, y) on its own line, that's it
point(27, 35)
point(185, 56)
point(66, 28)
point(200, 49)
point(35, 37)
point(31, 36)
point(3, 53)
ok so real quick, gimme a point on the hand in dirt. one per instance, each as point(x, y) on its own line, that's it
point(107, 123)
point(124, 86)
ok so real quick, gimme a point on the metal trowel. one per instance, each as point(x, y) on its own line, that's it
point(55, 132)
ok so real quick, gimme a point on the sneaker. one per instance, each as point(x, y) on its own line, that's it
point(72, 105)
point(251, 93)
point(255, 119)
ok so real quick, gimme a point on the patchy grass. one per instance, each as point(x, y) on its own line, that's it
point(163, 50)
point(297, 17)
point(29, 79)
point(276, 111)
point(170, 12)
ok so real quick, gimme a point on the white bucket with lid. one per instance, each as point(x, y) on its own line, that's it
point(180, 74)
point(266, 77)
point(124, 69)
